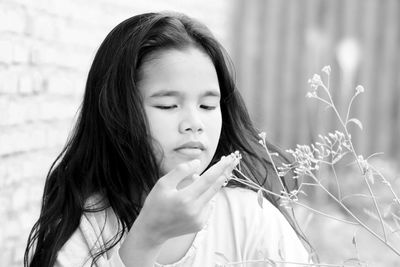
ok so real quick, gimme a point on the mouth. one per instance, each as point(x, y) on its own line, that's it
point(191, 149)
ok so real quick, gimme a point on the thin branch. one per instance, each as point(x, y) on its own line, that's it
point(323, 100)
point(357, 219)
point(376, 207)
point(359, 165)
point(255, 186)
point(355, 195)
point(325, 214)
point(386, 224)
point(274, 166)
point(387, 183)
point(375, 154)
point(349, 107)
point(273, 263)
point(337, 181)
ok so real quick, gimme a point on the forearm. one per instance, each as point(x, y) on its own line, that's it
point(138, 249)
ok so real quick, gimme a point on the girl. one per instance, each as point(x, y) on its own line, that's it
point(139, 182)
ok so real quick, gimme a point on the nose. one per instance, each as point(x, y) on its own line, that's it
point(191, 122)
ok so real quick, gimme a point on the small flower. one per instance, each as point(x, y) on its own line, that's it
point(315, 82)
point(359, 89)
point(347, 144)
point(236, 157)
point(363, 163)
point(262, 135)
point(327, 70)
point(284, 203)
point(311, 94)
point(281, 174)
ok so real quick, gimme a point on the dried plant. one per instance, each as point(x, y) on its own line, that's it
point(326, 153)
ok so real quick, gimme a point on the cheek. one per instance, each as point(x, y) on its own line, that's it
point(158, 127)
point(160, 130)
point(215, 127)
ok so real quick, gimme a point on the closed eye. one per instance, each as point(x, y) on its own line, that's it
point(208, 107)
point(166, 107)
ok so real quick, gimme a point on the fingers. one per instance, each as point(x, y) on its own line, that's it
point(220, 182)
point(221, 170)
point(187, 181)
point(182, 171)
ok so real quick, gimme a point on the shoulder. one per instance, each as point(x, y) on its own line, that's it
point(100, 217)
point(239, 208)
point(266, 228)
point(97, 228)
point(245, 201)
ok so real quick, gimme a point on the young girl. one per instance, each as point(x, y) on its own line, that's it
point(142, 181)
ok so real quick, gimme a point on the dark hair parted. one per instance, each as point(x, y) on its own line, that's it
point(110, 152)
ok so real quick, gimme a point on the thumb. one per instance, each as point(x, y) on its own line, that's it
point(180, 172)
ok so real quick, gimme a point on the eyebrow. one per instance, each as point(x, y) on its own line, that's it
point(172, 93)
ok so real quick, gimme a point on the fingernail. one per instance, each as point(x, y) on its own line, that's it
point(230, 158)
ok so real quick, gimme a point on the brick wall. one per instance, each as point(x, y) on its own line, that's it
point(46, 48)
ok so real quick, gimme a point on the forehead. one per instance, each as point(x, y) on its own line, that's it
point(178, 70)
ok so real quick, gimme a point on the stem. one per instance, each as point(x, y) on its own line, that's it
point(359, 165)
point(337, 181)
point(245, 177)
point(325, 162)
point(323, 100)
point(376, 207)
point(356, 218)
point(274, 166)
point(310, 184)
point(335, 110)
point(250, 183)
point(375, 154)
point(348, 110)
point(273, 263)
point(387, 183)
point(355, 195)
point(255, 186)
point(325, 214)
point(386, 224)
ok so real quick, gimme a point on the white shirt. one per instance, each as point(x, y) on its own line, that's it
point(238, 230)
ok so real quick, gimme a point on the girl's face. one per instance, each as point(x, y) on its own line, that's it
point(181, 98)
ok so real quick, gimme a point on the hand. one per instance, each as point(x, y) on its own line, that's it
point(171, 211)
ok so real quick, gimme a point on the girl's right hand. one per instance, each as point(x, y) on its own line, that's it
point(169, 212)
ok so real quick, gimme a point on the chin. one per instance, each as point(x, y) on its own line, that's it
point(204, 165)
point(169, 165)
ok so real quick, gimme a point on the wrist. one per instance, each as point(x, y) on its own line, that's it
point(146, 235)
point(140, 247)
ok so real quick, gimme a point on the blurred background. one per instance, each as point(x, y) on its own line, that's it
point(46, 48)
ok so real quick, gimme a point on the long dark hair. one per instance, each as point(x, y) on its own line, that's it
point(110, 151)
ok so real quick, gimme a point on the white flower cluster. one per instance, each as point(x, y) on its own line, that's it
point(327, 70)
point(287, 198)
point(359, 89)
point(307, 159)
point(315, 82)
point(263, 136)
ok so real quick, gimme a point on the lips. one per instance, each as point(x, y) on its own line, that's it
point(191, 149)
point(191, 145)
